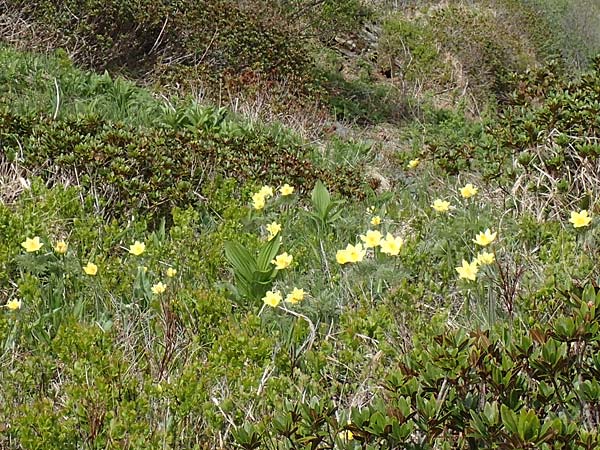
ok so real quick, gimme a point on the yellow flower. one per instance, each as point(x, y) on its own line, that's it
point(485, 238)
point(91, 269)
point(13, 304)
point(441, 205)
point(158, 288)
point(32, 245)
point(286, 189)
point(297, 295)
point(273, 228)
point(137, 248)
point(468, 191)
point(413, 163)
point(258, 201)
point(282, 261)
point(355, 253)
point(272, 298)
point(485, 258)
point(346, 435)
point(171, 272)
point(371, 239)
point(392, 245)
point(467, 271)
point(144, 269)
point(580, 219)
point(341, 257)
point(266, 191)
point(61, 247)
point(375, 220)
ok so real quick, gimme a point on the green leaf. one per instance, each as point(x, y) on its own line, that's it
point(267, 253)
point(321, 199)
point(509, 419)
point(240, 258)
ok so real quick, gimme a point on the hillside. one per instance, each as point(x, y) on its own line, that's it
point(299, 224)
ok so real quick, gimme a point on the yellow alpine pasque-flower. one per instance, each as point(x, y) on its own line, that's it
point(485, 238)
point(391, 245)
point(356, 253)
point(273, 228)
point(272, 298)
point(372, 239)
point(61, 247)
point(413, 163)
point(32, 245)
point(440, 205)
point(286, 190)
point(91, 269)
point(258, 201)
point(375, 220)
point(351, 254)
point(485, 258)
point(13, 305)
point(468, 191)
point(266, 191)
point(171, 272)
point(158, 288)
point(297, 295)
point(137, 248)
point(282, 261)
point(341, 256)
point(468, 271)
point(580, 219)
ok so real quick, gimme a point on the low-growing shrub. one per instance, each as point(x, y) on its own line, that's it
point(153, 170)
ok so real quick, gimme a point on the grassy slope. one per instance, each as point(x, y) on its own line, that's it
point(216, 368)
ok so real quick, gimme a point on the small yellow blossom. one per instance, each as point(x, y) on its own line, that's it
point(485, 238)
point(258, 201)
point(372, 239)
point(273, 228)
point(13, 305)
point(61, 247)
point(375, 220)
point(391, 245)
point(137, 248)
point(346, 435)
point(441, 205)
point(266, 191)
point(297, 295)
point(158, 288)
point(468, 190)
point(91, 269)
point(413, 163)
point(355, 253)
point(580, 219)
point(171, 272)
point(341, 257)
point(485, 258)
point(272, 298)
point(286, 189)
point(467, 271)
point(144, 269)
point(282, 261)
point(32, 245)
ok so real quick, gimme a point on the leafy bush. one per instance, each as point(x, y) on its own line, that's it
point(155, 169)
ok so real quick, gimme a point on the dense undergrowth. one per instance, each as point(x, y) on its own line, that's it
point(173, 275)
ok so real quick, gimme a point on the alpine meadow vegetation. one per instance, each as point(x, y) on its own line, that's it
point(376, 230)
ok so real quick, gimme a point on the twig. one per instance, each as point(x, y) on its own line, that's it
point(57, 99)
point(157, 42)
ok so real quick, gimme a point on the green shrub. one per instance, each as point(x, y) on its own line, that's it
point(156, 169)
